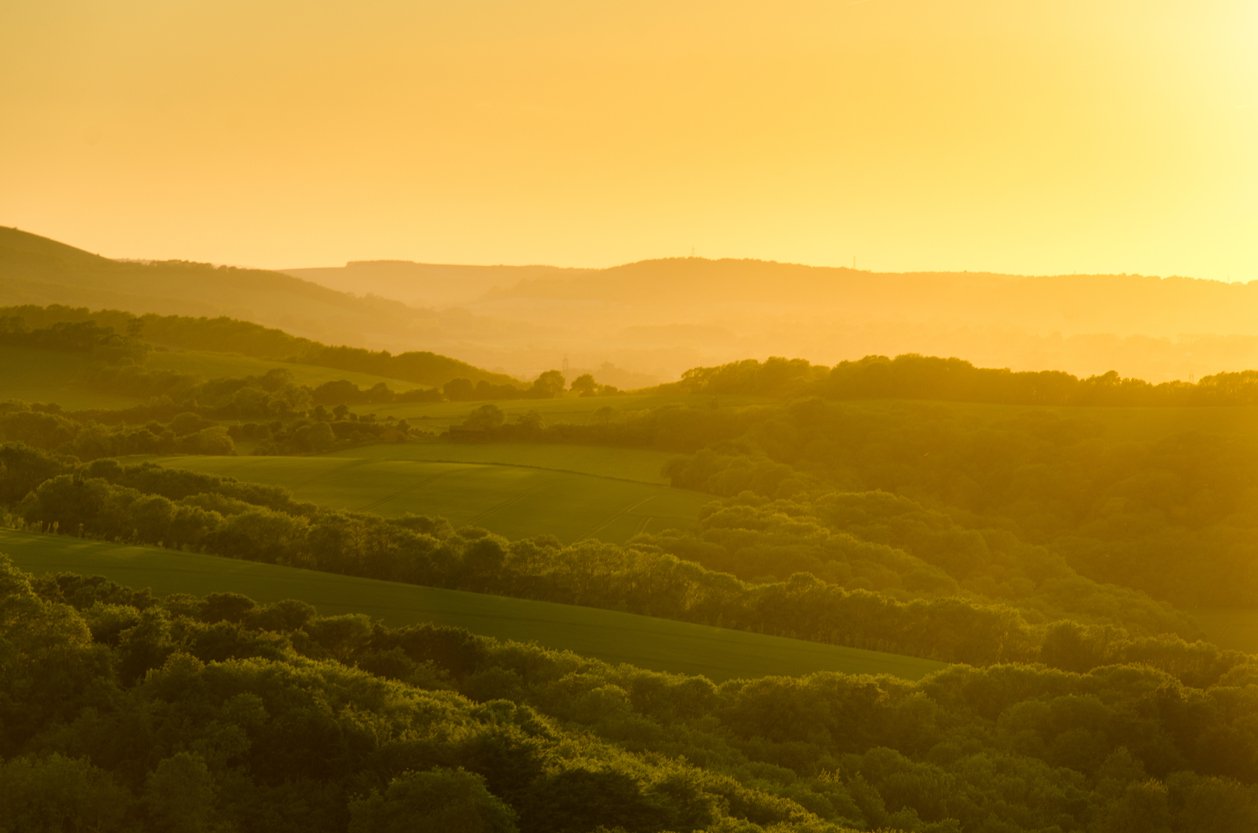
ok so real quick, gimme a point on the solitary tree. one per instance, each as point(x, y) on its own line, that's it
point(584, 385)
point(548, 385)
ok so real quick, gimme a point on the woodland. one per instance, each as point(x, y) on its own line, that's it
point(1053, 540)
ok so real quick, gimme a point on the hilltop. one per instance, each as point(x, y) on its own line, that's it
point(81, 358)
point(647, 322)
point(661, 317)
point(428, 284)
point(37, 271)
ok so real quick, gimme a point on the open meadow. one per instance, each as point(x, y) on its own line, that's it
point(642, 465)
point(513, 500)
point(214, 365)
point(658, 644)
point(29, 374)
point(573, 410)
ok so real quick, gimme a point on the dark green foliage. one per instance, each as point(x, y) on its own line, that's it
point(419, 367)
point(913, 376)
point(984, 535)
point(23, 468)
point(56, 794)
point(99, 342)
point(274, 421)
point(259, 523)
point(865, 585)
point(436, 801)
point(547, 386)
point(1157, 499)
point(284, 737)
point(115, 335)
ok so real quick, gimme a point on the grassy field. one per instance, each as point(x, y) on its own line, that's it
point(642, 465)
point(34, 375)
point(1121, 424)
point(579, 410)
point(512, 500)
point(234, 366)
point(31, 375)
point(658, 644)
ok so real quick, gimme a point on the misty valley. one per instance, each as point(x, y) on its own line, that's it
point(275, 557)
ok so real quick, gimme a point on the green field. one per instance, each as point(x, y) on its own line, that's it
point(512, 500)
point(1123, 424)
point(658, 644)
point(34, 375)
point(642, 465)
point(206, 365)
point(28, 374)
point(576, 410)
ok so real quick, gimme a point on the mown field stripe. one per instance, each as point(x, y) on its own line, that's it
point(515, 501)
point(658, 644)
point(612, 462)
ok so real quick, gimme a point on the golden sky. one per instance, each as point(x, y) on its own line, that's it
point(1028, 136)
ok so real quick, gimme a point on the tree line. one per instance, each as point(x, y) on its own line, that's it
point(119, 711)
point(670, 575)
point(913, 376)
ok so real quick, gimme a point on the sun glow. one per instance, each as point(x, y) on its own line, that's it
point(986, 135)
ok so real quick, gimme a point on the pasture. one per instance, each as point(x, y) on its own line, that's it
point(515, 501)
point(657, 644)
point(29, 374)
point(207, 365)
point(642, 465)
point(574, 410)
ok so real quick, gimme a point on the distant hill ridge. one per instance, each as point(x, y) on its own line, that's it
point(229, 335)
point(37, 271)
point(664, 315)
point(1078, 300)
point(1125, 304)
point(654, 319)
point(427, 284)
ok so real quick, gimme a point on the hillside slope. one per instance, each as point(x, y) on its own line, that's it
point(646, 322)
point(662, 316)
point(38, 271)
point(428, 284)
point(612, 636)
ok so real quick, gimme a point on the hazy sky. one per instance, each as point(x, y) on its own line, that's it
point(1032, 136)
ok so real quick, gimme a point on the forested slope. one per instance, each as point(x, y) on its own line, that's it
point(38, 271)
point(121, 712)
point(1045, 534)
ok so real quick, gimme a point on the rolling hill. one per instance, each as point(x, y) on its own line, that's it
point(36, 370)
point(647, 322)
point(427, 284)
point(664, 316)
point(38, 271)
point(659, 644)
point(511, 499)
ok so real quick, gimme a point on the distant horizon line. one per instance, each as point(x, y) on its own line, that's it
point(648, 260)
point(765, 261)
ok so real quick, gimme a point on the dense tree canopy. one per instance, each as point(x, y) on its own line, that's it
point(221, 714)
point(1046, 533)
